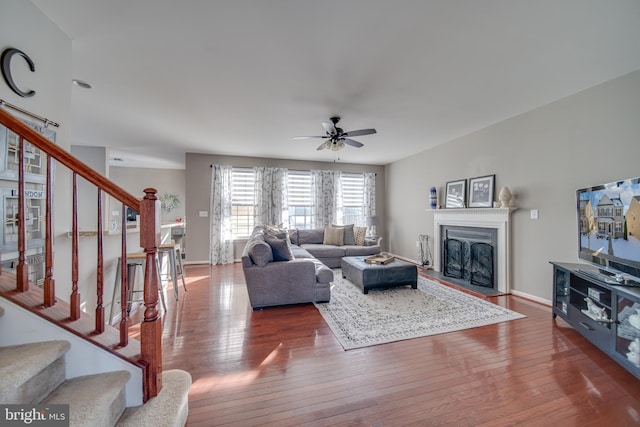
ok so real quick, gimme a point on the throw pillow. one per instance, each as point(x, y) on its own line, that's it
point(359, 234)
point(293, 236)
point(260, 253)
point(333, 236)
point(349, 238)
point(281, 248)
point(275, 231)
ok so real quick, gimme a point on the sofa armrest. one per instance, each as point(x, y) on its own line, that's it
point(281, 271)
point(372, 241)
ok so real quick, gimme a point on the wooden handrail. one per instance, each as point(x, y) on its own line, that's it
point(69, 160)
point(149, 208)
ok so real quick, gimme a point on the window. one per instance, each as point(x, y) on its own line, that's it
point(242, 201)
point(300, 199)
point(352, 198)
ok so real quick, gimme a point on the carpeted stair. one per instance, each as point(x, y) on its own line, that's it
point(35, 373)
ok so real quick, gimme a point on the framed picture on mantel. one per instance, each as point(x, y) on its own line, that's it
point(456, 194)
point(481, 191)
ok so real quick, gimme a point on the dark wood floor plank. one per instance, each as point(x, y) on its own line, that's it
point(284, 367)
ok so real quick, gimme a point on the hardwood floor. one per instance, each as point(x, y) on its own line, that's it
point(283, 367)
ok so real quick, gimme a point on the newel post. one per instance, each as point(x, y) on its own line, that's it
point(151, 328)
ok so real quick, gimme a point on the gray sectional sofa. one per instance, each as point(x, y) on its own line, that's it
point(293, 266)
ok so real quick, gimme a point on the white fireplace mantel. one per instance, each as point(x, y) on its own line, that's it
point(497, 218)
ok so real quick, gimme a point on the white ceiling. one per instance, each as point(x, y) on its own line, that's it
point(243, 77)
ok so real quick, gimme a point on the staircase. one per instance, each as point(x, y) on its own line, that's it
point(54, 349)
point(34, 373)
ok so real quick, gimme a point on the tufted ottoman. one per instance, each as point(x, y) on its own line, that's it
point(368, 276)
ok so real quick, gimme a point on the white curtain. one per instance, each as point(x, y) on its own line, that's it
point(327, 189)
point(271, 196)
point(370, 197)
point(220, 217)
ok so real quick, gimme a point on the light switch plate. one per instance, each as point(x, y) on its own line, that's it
point(203, 214)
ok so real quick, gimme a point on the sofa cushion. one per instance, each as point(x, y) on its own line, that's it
point(359, 235)
point(281, 248)
point(324, 251)
point(333, 236)
point(355, 250)
point(314, 235)
point(260, 252)
point(348, 237)
point(300, 253)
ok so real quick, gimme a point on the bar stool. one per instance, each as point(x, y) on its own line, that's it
point(176, 269)
point(134, 260)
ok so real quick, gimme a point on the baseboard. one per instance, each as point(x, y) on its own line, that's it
point(531, 297)
point(194, 262)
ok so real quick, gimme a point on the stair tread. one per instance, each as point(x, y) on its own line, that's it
point(90, 396)
point(21, 362)
point(169, 408)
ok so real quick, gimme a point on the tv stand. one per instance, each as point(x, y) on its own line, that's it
point(602, 309)
point(608, 277)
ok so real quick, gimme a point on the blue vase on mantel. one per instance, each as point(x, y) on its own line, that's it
point(433, 198)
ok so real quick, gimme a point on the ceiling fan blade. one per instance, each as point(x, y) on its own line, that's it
point(329, 127)
point(310, 137)
point(360, 132)
point(351, 142)
point(324, 145)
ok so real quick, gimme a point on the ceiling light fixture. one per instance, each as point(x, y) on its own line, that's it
point(81, 84)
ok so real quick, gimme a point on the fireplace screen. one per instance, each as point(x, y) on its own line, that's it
point(454, 258)
point(468, 254)
point(481, 265)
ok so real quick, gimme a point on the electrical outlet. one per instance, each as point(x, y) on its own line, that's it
point(534, 213)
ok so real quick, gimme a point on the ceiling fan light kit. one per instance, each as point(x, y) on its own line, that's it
point(337, 138)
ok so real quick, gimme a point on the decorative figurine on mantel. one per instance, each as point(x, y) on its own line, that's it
point(433, 198)
point(506, 198)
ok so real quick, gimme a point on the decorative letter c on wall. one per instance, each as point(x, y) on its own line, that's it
point(5, 64)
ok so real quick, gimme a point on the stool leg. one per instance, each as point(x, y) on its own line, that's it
point(179, 255)
point(131, 284)
point(116, 287)
point(160, 287)
point(174, 273)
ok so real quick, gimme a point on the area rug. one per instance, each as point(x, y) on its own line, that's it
point(401, 313)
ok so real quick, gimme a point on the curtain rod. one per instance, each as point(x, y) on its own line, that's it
point(375, 173)
point(46, 121)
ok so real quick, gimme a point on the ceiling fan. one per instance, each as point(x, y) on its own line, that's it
point(336, 138)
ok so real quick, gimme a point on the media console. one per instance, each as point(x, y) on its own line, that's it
point(600, 309)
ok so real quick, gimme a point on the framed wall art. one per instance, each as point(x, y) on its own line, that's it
point(481, 191)
point(455, 195)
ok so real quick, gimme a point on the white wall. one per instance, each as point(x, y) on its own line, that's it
point(544, 155)
point(135, 180)
point(24, 27)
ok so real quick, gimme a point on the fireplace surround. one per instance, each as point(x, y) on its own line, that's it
point(493, 218)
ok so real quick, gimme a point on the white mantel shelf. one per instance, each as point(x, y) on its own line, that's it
point(497, 218)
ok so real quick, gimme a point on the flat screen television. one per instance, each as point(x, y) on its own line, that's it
point(609, 229)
